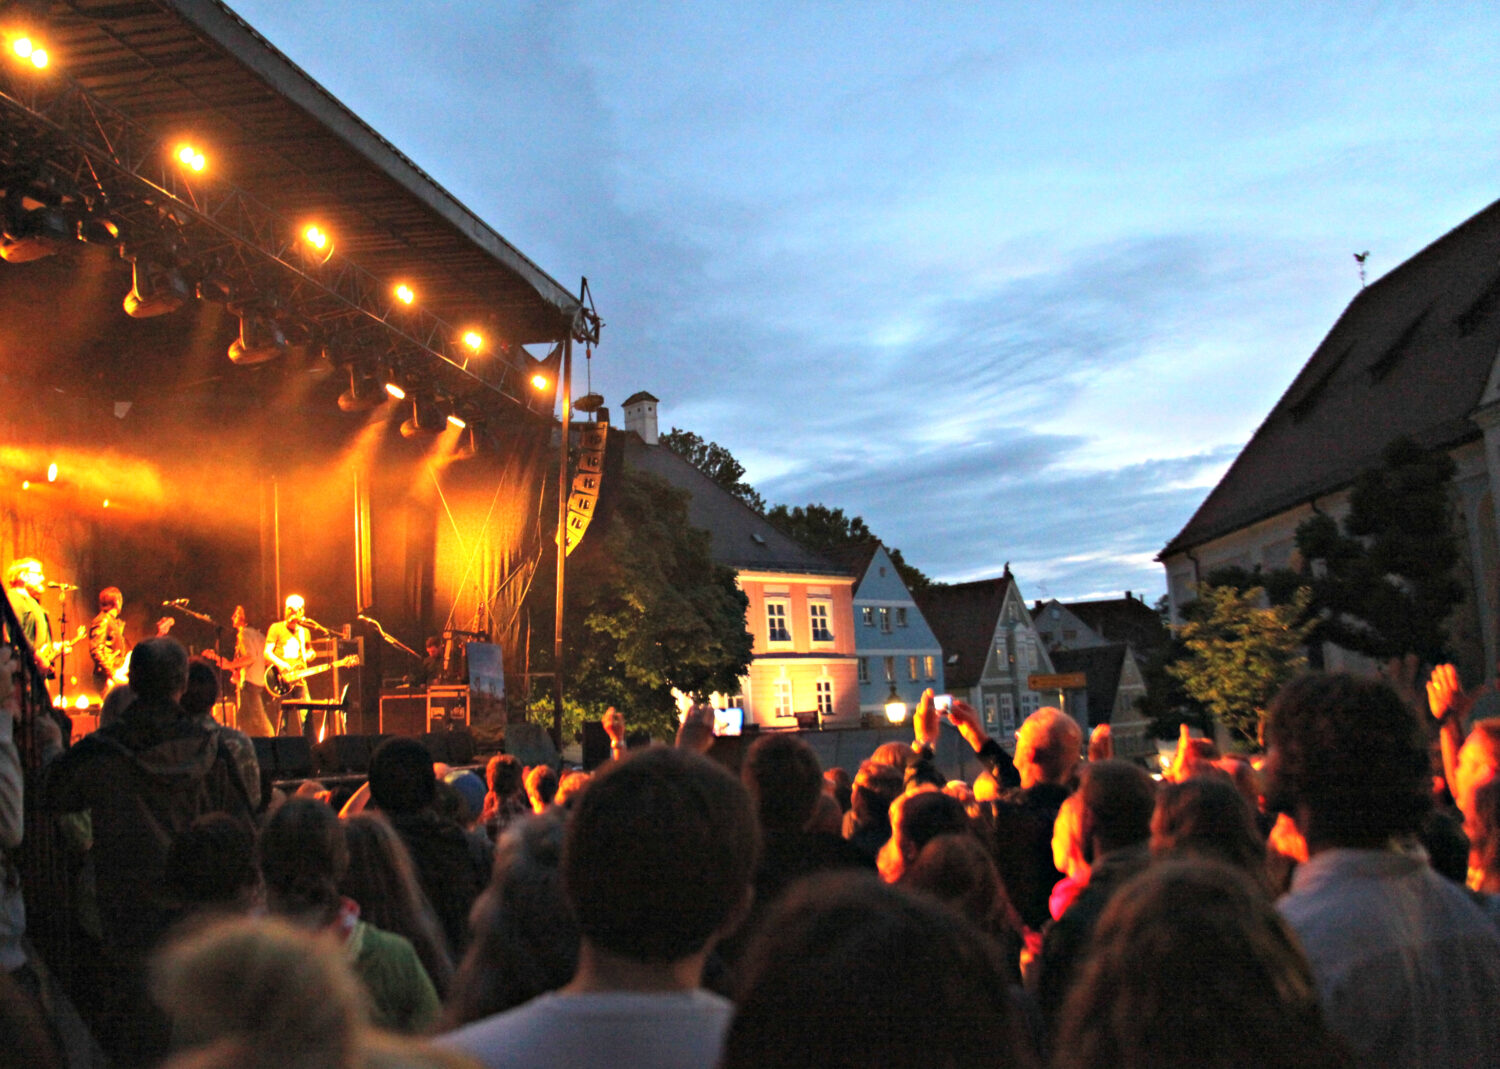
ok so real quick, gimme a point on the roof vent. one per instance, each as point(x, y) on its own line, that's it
point(758, 538)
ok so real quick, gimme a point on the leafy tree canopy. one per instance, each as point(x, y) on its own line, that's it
point(1384, 584)
point(649, 611)
point(713, 460)
point(822, 528)
point(1240, 651)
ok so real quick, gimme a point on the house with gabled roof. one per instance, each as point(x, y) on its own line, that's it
point(897, 650)
point(990, 648)
point(1416, 354)
point(801, 603)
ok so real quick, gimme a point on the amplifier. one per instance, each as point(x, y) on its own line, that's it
point(403, 714)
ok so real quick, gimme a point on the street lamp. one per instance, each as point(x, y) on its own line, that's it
point(895, 708)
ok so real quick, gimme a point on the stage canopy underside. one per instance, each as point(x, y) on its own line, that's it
point(180, 473)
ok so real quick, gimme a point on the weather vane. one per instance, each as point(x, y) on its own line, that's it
point(1360, 258)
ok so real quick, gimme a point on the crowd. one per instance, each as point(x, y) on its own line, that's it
point(1332, 901)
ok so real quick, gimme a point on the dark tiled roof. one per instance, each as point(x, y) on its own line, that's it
point(639, 395)
point(854, 558)
point(963, 617)
point(1121, 620)
point(1102, 665)
point(1409, 356)
point(742, 537)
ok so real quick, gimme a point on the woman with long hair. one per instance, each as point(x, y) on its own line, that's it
point(382, 880)
point(303, 856)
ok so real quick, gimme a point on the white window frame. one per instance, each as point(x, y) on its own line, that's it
point(912, 667)
point(825, 697)
point(864, 669)
point(991, 719)
point(814, 606)
point(867, 614)
point(929, 665)
point(885, 621)
point(1007, 713)
point(900, 615)
point(781, 698)
point(785, 606)
point(890, 669)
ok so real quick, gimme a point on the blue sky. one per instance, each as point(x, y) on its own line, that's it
point(1013, 282)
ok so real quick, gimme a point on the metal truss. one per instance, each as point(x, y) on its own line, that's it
point(90, 150)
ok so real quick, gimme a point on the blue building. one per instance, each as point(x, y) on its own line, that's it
point(893, 645)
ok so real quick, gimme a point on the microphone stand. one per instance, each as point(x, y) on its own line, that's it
point(390, 639)
point(62, 660)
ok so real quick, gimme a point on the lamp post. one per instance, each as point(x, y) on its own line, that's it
point(895, 708)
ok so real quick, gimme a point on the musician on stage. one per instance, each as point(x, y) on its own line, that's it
point(247, 675)
point(289, 648)
point(26, 583)
point(107, 641)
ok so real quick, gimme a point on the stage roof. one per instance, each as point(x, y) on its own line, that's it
point(193, 68)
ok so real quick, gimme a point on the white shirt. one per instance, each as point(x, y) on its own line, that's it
point(611, 1030)
point(1407, 964)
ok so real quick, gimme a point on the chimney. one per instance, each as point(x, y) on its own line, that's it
point(1127, 595)
point(640, 416)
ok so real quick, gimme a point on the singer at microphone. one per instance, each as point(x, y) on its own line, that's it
point(55, 585)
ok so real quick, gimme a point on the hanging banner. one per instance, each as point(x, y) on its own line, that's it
point(584, 495)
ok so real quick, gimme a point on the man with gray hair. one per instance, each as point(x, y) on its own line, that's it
point(141, 780)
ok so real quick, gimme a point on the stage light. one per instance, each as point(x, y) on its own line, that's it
point(362, 394)
point(23, 47)
point(39, 58)
point(155, 290)
point(190, 157)
point(25, 484)
point(540, 381)
point(395, 390)
point(81, 702)
point(106, 502)
point(317, 243)
point(425, 419)
point(52, 472)
point(455, 420)
point(316, 237)
point(473, 340)
point(404, 294)
point(261, 339)
point(31, 235)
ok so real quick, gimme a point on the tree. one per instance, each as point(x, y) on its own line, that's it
point(718, 463)
point(1384, 584)
point(1240, 652)
point(650, 611)
point(822, 528)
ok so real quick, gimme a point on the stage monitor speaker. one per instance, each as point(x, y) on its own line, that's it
point(595, 745)
point(450, 747)
point(403, 714)
point(344, 754)
point(530, 744)
point(286, 757)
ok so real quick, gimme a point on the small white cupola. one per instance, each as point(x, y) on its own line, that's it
point(640, 416)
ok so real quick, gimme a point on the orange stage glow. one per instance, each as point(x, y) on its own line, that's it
point(316, 236)
point(39, 58)
point(52, 472)
point(474, 340)
point(22, 47)
point(25, 484)
point(404, 293)
point(190, 157)
point(395, 391)
point(541, 382)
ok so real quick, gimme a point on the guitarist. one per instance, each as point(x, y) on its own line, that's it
point(107, 641)
point(289, 648)
point(26, 583)
point(248, 676)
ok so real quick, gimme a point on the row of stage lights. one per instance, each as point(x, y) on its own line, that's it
point(157, 289)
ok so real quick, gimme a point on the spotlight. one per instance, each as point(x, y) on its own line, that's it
point(52, 472)
point(425, 419)
point(395, 390)
point(455, 420)
point(317, 243)
point(191, 158)
point(404, 293)
point(261, 339)
point(362, 395)
point(27, 235)
point(540, 382)
point(473, 341)
point(155, 290)
point(97, 230)
point(25, 48)
point(316, 237)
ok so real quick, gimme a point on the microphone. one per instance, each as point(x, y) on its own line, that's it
point(175, 603)
point(55, 585)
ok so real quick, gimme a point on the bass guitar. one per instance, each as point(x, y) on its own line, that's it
point(280, 682)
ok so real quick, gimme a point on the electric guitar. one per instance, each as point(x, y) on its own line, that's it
point(280, 682)
point(49, 650)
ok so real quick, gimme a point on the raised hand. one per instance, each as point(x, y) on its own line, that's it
point(963, 716)
point(1445, 694)
point(926, 722)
